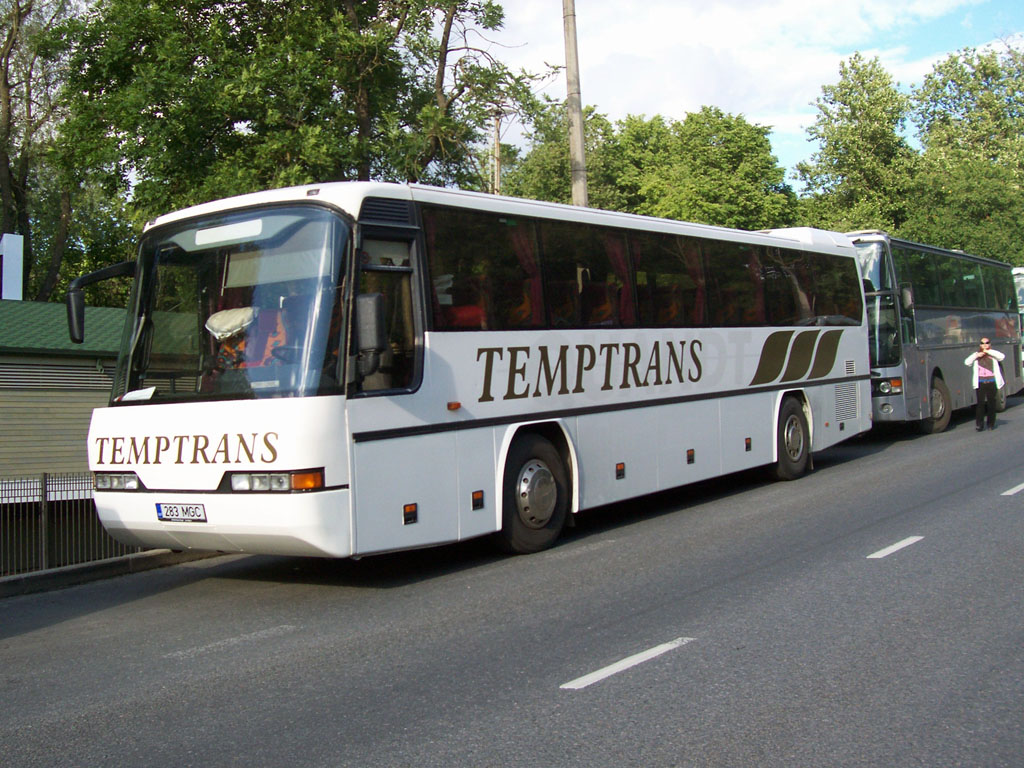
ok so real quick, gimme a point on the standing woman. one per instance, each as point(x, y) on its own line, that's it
point(988, 380)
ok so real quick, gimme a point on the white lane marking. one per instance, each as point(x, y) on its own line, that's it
point(894, 548)
point(1015, 489)
point(619, 666)
point(230, 642)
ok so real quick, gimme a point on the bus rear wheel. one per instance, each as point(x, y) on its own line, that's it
point(794, 441)
point(1001, 400)
point(941, 408)
point(535, 501)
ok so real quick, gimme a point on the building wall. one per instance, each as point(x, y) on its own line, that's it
point(45, 408)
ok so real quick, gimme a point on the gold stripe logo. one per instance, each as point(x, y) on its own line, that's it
point(812, 354)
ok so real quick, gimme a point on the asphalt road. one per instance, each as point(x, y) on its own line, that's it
point(735, 623)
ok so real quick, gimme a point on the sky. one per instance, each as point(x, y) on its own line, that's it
point(764, 59)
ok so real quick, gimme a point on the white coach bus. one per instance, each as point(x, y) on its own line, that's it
point(352, 368)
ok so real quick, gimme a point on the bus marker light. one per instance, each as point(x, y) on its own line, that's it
point(478, 499)
point(620, 471)
point(409, 514)
point(308, 481)
point(454, 405)
point(746, 444)
point(690, 456)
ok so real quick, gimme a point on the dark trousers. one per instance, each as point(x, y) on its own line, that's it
point(986, 409)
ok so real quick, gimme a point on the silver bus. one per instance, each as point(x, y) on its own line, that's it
point(927, 309)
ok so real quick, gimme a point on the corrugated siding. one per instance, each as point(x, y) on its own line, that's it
point(44, 430)
point(18, 376)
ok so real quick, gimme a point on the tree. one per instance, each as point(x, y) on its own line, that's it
point(30, 108)
point(969, 192)
point(858, 177)
point(711, 167)
point(187, 102)
point(543, 172)
point(720, 170)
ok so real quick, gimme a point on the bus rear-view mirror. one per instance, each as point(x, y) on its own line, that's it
point(371, 334)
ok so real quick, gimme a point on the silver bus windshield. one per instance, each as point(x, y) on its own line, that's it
point(244, 304)
point(873, 266)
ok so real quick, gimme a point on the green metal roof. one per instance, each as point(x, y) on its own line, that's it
point(41, 328)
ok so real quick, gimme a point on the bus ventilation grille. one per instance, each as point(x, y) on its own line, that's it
point(846, 401)
point(851, 367)
point(385, 211)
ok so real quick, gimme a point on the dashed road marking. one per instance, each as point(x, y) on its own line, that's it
point(894, 548)
point(231, 642)
point(624, 664)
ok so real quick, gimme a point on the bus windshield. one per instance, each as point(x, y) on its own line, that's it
point(883, 331)
point(246, 304)
point(873, 266)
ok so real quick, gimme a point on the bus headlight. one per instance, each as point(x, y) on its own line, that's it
point(892, 386)
point(270, 482)
point(116, 481)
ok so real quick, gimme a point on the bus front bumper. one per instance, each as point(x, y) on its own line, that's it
point(315, 524)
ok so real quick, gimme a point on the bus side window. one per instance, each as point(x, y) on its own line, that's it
point(484, 273)
point(385, 270)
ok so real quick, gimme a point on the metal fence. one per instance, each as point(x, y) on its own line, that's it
point(49, 521)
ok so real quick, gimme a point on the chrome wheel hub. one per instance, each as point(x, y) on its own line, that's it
point(793, 438)
point(536, 494)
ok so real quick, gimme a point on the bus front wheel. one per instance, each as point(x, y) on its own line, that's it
point(535, 501)
point(941, 408)
point(794, 441)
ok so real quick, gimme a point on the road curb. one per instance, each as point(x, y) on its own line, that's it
point(70, 575)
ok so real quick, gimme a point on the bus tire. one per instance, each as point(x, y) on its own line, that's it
point(942, 408)
point(794, 441)
point(535, 496)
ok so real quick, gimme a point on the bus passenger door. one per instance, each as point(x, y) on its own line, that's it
point(403, 474)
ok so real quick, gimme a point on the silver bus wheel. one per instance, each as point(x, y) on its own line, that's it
point(794, 441)
point(535, 501)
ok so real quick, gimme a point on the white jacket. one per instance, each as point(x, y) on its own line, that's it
point(994, 353)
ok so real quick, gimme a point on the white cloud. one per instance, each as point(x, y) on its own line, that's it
point(765, 59)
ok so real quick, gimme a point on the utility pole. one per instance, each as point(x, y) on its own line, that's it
point(496, 178)
point(577, 155)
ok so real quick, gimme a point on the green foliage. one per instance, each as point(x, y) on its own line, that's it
point(961, 200)
point(543, 172)
point(968, 193)
point(711, 168)
point(32, 65)
point(858, 177)
point(962, 190)
point(184, 103)
point(147, 107)
point(719, 170)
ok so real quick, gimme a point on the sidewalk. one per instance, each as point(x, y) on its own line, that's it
point(58, 578)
